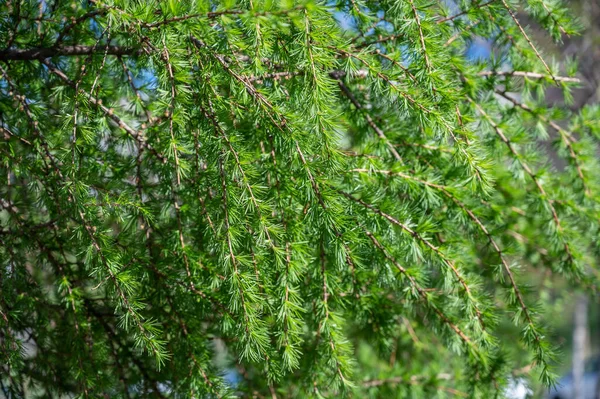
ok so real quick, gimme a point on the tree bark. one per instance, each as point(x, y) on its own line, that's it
point(579, 344)
point(47, 52)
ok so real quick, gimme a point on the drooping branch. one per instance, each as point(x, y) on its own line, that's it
point(420, 291)
point(565, 136)
point(370, 120)
point(434, 249)
point(480, 225)
point(109, 113)
point(535, 50)
point(530, 173)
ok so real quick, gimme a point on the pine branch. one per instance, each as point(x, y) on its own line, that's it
point(16, 215)
point(385, 78)
point(553, 17)
point(531, 174)
point(538, 55)
point(109, 112)
point(460, 14)
point(370, 121)
point(280, 124)
point(421, 36)
point(421, 291)
point(459, 277)
point(566, 137)
point(480, 225)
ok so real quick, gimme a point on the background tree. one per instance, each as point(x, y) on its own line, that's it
point(285, 199)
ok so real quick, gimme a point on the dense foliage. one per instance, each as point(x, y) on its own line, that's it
point(285, 199)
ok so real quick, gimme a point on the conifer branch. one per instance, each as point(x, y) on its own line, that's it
point(463, 207)
point(280, 124)
point(397, 64)
point(109, 112)
point(210, 116)
point(43, 248)
point(325, 321)
point(421, 36)
point(459, 277)
point(288, 320)
point(565, 136)
point(370, 121)
point(171, 111)
point(420, 291)
point(386, 79)
point(232, 257)
point(532, 175)
point(177, 186)
point(153, 345)
point(553, 17)
point(538, 55)
point(418, 105)
point(460, 14)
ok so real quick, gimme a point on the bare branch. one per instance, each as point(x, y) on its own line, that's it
point(530, 75)
point(31, 54)
point(539, 56)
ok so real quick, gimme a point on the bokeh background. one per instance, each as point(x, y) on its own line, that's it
point(574, 315)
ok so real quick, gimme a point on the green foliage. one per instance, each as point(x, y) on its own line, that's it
point(324, 198)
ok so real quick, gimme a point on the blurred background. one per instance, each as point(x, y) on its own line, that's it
point(574, 315)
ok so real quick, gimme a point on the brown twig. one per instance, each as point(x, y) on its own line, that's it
point(538, 55)
point(16, 54)
point(530, 75)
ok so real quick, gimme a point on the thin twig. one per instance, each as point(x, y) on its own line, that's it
point(530, 75)
point(529, 172)
point(460, 14)
point(514, 17)
point(370, 120)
